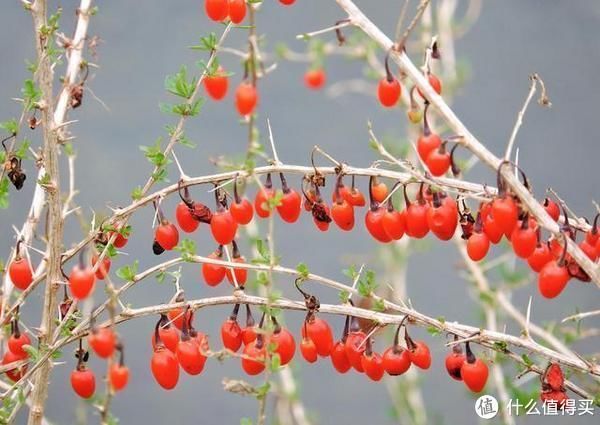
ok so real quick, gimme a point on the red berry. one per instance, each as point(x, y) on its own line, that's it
point(178, 316)
point(83, 382)
point(342, 214)
point(241, 212)
point(217, 10)
point(20, 272)
point(355, 346)
point(284, 343)
point(393, 222)
point(454, 362)
point(314, 78)
point(103, 342)
point(241, 275)
point(540, 257)
point(552, 279)
point(261, 202)
point(216, 85)
point(189, 356)
point(166, 235)
point(396, 360)
point(223, 227)
point(428, 143)
point(442, 217)
point(120, 241)
point(253, 361)
point(231, 334)
point(103, 268)
point(118, 376)
point(588, 249)
point(524, 239)
point(308, 349)
point(552, 208)
point(474, 372)
point(379, 190)
point(372, 365)
point(17, 373)
point(318, 330)
point(246, 98)
point(478, 246)
point(356, 198)
point(81, 282)
point(419, 355)
point(287, 2)
point(416, 216)
point(214, 274)
point(169, 335)
point(291, 203)
point(374, 224)
point(505, 212)
point(435, 84)
point(389, 92)
point(237, 10)
point(165, 367)
point(339, 358)
point(553, 377)
point(492, 229)
point(438, 161)
point(185, 219)
point(16, 342)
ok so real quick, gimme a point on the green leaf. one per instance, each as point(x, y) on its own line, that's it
point(367, 285)
point(245, 421)
point(526, 360)
point(136, 193)
point(263, 390)
point(501, 345)
point(344, 296)
point(179, 85)
point(34, 354)
point(11, 126)
point(4, 186)
point(275, 363)
point(207, 43)
point(187, 247)
point(31, 94)
point(302, 270)
point(378, 305)
point(128, 272)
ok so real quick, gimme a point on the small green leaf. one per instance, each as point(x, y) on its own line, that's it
point(344, 296)
point(128, 272)
point(526, 360)
point(302, 270)
point(207, 43)
point(31, 94)
point(187, 247)
point(11, 126)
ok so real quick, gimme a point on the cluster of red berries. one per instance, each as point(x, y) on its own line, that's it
point(16, 351)
point(176, 343)
point(234, 10)
point(504, 217)
point(469, 369)
point(246, 95)
point(105, 344)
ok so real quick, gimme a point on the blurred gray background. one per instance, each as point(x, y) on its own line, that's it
point(144, 41)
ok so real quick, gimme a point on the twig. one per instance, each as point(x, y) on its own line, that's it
point(534, 78)
point(579, 316)
point(308, 35)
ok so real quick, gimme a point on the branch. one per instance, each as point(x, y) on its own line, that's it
point(469, 140)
